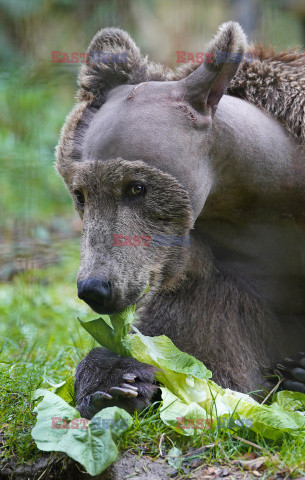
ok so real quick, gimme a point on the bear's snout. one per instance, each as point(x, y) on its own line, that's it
point(97, 293)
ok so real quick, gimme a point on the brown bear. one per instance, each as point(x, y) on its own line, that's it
point(191, 181)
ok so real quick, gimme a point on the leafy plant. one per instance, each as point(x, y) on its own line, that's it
point(191, 401)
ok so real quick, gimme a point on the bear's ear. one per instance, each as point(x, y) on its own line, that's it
point(112, 59)
point(204, 87)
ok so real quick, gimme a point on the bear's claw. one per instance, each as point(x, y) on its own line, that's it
point(124, 392)
point(104, 379)
point(292, 371)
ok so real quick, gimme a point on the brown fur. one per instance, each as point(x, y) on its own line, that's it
point(276, 83)
point(272, 81)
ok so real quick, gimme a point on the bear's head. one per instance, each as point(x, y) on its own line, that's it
point(134, 154)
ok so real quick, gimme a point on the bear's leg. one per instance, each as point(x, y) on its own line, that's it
point(104, 379)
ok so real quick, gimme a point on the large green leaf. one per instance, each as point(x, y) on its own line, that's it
point(230, 410)
point(60, 428)
point(291, 401)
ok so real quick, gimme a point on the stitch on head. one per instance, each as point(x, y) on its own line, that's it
point(131, 95)
point(189, 114)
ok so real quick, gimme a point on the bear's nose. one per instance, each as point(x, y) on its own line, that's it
point(96, 292)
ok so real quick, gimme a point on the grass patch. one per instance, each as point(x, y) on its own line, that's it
point(150, 436)
point(41, 343)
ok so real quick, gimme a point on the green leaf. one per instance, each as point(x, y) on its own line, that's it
point(271, 421)
point(291, 401)
point(182, 416)
point(103, 331)
point(122, 321)
point(174, 458)
point(162, 353)
point(66, 390)
point(229, 410)
point(91, 443)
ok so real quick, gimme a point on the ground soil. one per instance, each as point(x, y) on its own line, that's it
point(128, 466)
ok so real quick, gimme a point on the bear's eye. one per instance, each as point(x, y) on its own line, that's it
point(136, 189)
point(79, 197)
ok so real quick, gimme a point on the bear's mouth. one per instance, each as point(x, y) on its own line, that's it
point(102, 310)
